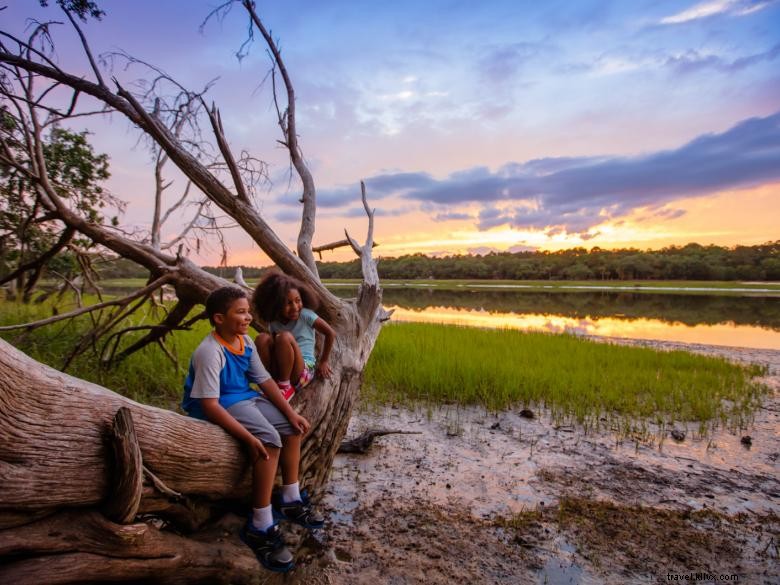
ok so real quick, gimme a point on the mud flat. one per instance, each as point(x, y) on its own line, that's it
point(502, 498)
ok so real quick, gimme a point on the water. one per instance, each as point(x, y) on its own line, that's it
point(741, 321)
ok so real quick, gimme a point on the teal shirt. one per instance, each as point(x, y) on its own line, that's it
point(303, 331)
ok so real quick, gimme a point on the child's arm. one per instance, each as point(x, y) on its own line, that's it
point(323, 367)
point(272, 392)
point(217, 414)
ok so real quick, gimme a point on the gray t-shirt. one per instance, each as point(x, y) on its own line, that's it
point(218, 371)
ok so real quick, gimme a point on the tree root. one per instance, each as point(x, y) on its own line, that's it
point(362, 443)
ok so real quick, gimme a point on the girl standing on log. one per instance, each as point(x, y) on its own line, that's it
point(217, 389)
point(288, 306)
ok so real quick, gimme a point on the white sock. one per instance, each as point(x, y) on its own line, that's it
point(291, 493)
point(281, 383)
point(262, 518)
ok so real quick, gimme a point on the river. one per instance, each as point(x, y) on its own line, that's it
point(740, 321)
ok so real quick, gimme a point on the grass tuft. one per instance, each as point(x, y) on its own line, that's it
point(572, 377)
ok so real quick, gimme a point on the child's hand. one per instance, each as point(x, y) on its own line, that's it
point(256, 450)
point(300, 423)
point(323, 369)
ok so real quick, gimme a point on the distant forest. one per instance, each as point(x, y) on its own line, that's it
point(690, 262)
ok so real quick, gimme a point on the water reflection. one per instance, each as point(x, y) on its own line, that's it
point(725, 334)
point(715, 320)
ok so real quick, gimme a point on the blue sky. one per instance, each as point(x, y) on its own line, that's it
point(478, 126)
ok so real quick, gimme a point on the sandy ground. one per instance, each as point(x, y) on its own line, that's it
point(500, 498)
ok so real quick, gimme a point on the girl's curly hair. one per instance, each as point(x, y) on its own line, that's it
point(271, 294)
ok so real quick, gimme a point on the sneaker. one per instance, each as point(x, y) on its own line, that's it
point(300, 512)
point(268, 546)
point(288, 391)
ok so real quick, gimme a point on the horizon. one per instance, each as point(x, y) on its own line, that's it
point(587, 250)
point(505, 126)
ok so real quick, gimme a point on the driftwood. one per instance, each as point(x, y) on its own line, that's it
point(125, 498)
point(65, 466)
point(363, 442)
point(69, 449)
point(74, 546)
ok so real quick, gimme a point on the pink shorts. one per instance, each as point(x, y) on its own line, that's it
point(307, 375)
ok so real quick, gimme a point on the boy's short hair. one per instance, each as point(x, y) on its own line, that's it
point(220, 300)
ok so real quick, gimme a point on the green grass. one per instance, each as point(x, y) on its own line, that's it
point(147, 376)
point(439, 364)
point(569, 376)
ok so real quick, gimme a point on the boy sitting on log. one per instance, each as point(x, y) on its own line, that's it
point(217, 389)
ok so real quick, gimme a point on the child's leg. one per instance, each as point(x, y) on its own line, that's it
point(249, 414)
point(288, 358)
point(290, 458)
point(265, 348)
point(291, 504)
point(263, 475)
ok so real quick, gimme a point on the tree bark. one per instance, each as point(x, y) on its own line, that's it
point(74, 546)
point(58, 467)
point(128, 470)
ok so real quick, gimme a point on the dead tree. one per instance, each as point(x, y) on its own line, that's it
point(62, 504)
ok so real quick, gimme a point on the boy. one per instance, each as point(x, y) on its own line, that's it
point(217, 389)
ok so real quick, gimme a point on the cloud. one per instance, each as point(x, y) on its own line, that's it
point(377, 187)
point(378, 212)
point(503, 63)
point(522, 248)
point(288, 215)
point(452, 216)
point(577, 194)
point(715, 7)
point(693, 61)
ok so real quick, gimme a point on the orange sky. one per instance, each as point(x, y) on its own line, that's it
point(728, 218)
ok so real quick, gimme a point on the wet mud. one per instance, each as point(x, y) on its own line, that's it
point(502, 498)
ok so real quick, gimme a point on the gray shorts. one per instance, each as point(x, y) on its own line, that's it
point(261, 418)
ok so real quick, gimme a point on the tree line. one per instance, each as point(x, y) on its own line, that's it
point(690, 262)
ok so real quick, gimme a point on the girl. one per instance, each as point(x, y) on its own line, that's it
point(287, 306)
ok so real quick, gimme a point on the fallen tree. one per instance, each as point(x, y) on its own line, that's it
point(80, 465)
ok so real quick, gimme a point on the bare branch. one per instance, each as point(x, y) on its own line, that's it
point(87, 50)
point(28, 46)
point(123, 301)
point(176, 205)
point(238, 278)
point(227, 155)
point(287, 123)
point(367, 263)
point(171, 322)
point(335, 245)
point(65, 237)
point(186, 230)
point(353, 244)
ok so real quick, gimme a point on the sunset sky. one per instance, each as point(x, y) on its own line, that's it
point(497, 125)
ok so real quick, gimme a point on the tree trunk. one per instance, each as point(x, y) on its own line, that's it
point(84, 547)
point(58, 470)
point(64, 464)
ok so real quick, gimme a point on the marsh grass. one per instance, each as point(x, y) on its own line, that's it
point(623, 388)
point(148, 376)
point(594, 383)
